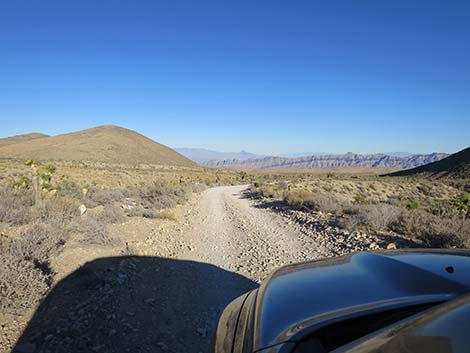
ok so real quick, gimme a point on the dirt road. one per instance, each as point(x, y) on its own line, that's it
point(225, 228)
point(166, 289)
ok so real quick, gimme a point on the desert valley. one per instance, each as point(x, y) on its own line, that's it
point(106, 218)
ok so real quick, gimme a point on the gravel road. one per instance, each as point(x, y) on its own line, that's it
point(166, 293)
point(227, 229)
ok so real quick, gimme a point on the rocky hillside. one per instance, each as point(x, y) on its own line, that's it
point(21, 138)
point(329, 161)
point(105, 144)
point(456, 165)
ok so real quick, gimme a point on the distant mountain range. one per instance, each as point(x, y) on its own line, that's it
point(247, 160)
point(201, 155)
point(329, 161)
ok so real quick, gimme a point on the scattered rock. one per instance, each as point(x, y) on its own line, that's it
point(391, 246)
point(82, 208)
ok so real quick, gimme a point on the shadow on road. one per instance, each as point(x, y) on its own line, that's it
point(133, 304)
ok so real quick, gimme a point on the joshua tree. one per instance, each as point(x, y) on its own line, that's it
point(46, 176)
point(34, 164)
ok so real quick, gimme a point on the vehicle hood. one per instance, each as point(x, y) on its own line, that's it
point(314, 294)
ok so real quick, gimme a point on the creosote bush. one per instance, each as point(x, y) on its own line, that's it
point(102, 197)
point(376, 217)
point(25, 274)
point(15, 205)
point(56, 208)
point(22, 284)
point(315, 202)
point(89, 231)
point(111, 215)
point(434, 231)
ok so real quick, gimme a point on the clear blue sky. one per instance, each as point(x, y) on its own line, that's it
point(265, 76)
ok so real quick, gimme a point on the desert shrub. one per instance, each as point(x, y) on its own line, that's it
point(149, 213)
point(434, 231)
point(89, 231)
point(462, 204)
point(414, 204)
point(324, 203)
point(25, 274)
point(102, 197)
point(378, 217)
point(37, 243)
point(70, 189)
point(271, 190)
point(111, 215)
point(140, 211)
point(162, 194)
point(316, 202)
point(360, 198)
point(56, 208)
point(15, 205)
point(22, 284)
point(257, 184)
point(375, 217)
point(457, 207)
point(283, 185)
point(198, 187)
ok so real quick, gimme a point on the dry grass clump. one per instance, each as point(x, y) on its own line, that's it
point(168, 215)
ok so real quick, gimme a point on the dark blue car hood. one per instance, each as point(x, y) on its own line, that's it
point(311, 295)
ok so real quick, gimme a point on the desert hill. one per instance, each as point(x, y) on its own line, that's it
point(21, 138)
point(107, 144)
point(456, 165)
point(329, 161)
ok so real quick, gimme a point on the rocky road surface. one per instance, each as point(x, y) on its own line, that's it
point(164, 291)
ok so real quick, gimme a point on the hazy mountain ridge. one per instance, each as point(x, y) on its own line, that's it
point(201, 155)
point(330, 161)
point(107, 144)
